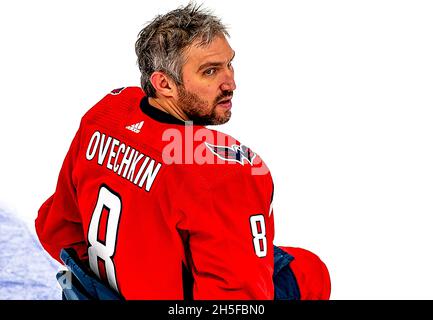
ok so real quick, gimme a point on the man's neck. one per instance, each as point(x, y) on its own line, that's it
point(169, 107)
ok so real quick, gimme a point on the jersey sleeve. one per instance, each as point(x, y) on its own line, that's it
point(231, 232)
point(58, 224)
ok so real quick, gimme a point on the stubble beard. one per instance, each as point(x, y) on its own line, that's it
point(198, 110)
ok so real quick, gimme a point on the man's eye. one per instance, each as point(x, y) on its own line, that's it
point(210, 71)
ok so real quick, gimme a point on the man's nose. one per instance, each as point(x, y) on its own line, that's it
point(228, 83)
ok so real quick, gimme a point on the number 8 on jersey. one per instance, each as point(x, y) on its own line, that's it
point(102, 246)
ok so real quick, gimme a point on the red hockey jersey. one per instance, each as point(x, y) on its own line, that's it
point(141, 193)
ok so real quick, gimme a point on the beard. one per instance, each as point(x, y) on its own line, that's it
point(199, 111)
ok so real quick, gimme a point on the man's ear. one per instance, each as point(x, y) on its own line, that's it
point(163, 84)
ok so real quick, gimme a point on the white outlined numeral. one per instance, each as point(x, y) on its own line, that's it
point(111, 202)
point(259, 236)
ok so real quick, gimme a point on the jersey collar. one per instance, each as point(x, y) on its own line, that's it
point(158, 115)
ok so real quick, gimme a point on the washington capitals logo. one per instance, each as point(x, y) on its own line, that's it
point(234, 153)
point(117, 91)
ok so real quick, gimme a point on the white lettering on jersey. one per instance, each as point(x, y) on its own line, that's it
point(104, 250)
point(258, 230)
point(130, 159)
point(112, 153)
point(93, 146)
point(103, 149)
point(150, 175)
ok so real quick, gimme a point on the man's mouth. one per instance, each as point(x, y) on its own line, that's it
point(226, 103)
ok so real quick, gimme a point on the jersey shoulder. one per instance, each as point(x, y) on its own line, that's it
point(225, 147)
point(216, 155)
point(117, 103)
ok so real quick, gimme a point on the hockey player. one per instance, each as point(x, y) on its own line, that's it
point(148, 196)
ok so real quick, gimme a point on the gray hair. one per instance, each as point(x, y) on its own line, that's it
point(161, 44)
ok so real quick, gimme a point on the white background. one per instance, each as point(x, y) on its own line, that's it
point(336, 96)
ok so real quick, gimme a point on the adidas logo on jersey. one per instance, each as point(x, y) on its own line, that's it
point(135, 127)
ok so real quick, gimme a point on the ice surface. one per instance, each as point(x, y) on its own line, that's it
point(26, 270)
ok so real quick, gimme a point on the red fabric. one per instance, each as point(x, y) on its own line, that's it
point(311, 274)
point(205, 207)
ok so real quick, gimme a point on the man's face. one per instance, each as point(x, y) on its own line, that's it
point(208, 79)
